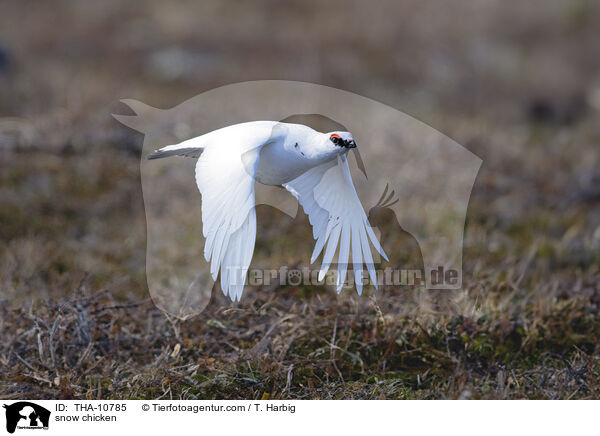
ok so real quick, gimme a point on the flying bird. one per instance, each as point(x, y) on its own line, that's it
point(311, 165)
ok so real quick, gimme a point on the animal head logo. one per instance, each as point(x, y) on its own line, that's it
point(425, 177)
point(26, 415)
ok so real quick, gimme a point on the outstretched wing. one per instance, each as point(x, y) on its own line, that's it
point(225, 174)
point(328, 196)
point(225, 178)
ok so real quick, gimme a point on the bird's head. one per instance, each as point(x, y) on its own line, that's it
point(323, 147)
point(343, 140)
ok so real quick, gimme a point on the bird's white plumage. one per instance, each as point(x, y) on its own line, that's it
point(225, 176)
point(328, 197)
point(228, 217)
point(309, 164)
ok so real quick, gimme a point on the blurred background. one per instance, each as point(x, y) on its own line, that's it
point(516, 83)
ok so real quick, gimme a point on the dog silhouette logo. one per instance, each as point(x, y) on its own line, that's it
point(26, 415)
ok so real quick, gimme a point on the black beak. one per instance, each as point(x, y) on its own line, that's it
point(350, 144)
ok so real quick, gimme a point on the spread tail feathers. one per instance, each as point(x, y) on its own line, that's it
point(186, 148)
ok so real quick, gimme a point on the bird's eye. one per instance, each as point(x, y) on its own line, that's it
point(335, 138)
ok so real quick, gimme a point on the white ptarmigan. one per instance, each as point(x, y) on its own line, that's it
point(311, 165)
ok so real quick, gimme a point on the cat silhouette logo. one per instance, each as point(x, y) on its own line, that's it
point(26, 415)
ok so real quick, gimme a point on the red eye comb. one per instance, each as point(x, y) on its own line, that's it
point(335, 135)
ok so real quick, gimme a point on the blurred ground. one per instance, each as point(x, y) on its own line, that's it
point(518, 84)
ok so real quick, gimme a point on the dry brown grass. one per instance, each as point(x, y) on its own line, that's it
point(293, 343)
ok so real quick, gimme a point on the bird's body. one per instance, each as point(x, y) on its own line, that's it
point(283, 160)
point(311, 165)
